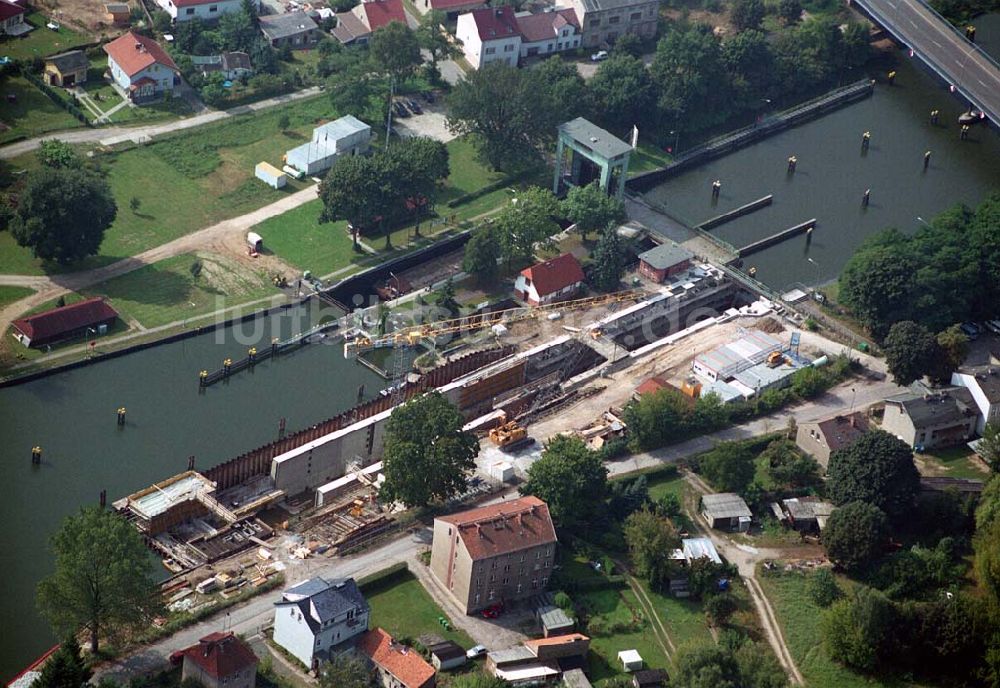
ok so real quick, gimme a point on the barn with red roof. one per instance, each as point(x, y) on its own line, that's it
point(65, 322)
point(550, 281)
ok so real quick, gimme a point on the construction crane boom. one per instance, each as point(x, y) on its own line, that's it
point(411, 336)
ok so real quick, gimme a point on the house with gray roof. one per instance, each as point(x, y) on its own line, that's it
point(296, 30)
point(345, 136)
point(726, 511)
point(605, 21)
point(66, 69)
point(935, 419)
point(983, 382)
point(319, 616)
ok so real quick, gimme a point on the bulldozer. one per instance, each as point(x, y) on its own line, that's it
point(775, 359)
point(509, 436)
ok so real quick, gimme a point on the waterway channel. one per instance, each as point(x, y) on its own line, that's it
point(833, 173)
point(71, 416)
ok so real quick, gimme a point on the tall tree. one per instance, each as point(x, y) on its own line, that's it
point(624, 93)
point(395, 51)
point(854, 535)
point(65, 668)
point(877, 469)
point(910, 351)
point(525, 221)
point(504, 108)
point(591, 209)
point(987, 559)
point(609, 260)
point(747, 56)
point(352, 191)
point(565, 91)
point(570, 478)
point(691, 77)
point(989, 447)
point(427, 454)
point(651, 541)
point(790, 11)
point(481, 256)
point(62, 214)
point(953, 347)
point(747, 14)
point(856, 631)
point(729, 466)
point(346, 670)
point(103, 579)
point(434, 39)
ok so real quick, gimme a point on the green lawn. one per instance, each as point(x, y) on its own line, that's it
point(166, 292)
point(32, 114)
point(647, 157)
point(684, 618)
point(620, 607)
point(188, 182)
point(9, 295)
point(800, 617)
point(299, 238)
point(954, 462)
point(402, 607)
point(42, 41)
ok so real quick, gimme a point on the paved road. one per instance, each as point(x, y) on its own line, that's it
point(109, 136)
point(935, 42)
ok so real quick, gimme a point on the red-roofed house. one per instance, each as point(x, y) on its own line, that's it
point(490, 35)
point(12, 19)
point(64, 322)
point(206, 10)
point(398, 666)
point(140, 66)
point(219, 660)
point(551, 281)
point(358, 25)
point(546, 33)
point(495, 553)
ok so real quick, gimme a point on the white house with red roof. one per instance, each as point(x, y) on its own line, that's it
point(553, 280)
point(358, 24)
point(207, 10)
point(546, 33)
point(140, 67)
point(490, 35)
point(12, 18)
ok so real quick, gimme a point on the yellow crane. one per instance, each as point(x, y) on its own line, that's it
point(411, 336)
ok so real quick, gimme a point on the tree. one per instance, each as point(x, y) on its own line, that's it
point(352, 191)
point(987, 559)
point(691, 77)
point(570, 478)
point(823, 589)
point(361, 95)
point(629, 44)
point(427, 455)
point(446, 297)
point(135, 203)
point(65, 668)
point(854, 535)
point(878, 469)
point(434, 39)
point(707, 665)
point(57, 154)
point(790, 11)
point(748, 59)
point(591, 209)
point(856, 631)
point(284, 122)
point(627, 495)
point(623, 91)
point(952, 347)
point(747, 14)
point(505, 109)
point(524, 222)
point(103, 579)
point(609, 260)
point(481, 256)
point(809, 382)
point(720, 608)
point(62, 214)
point(728, 466)
point(162, 23)
point(788, 467)
point(910, 351)
point(651, 540)
point(877, 283)
point(565, 91)
point(477, 679)
point(346, 670)
point(989, 446)
point(395, 51)
point(238, 30)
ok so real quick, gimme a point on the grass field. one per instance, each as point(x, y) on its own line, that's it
point(954, 462)
point(9, 295)
point(611, 607)
point(647, 157)
point(299, 238)
point(800, 618)
point(167, 291)
point(32, 114)
point(402, 607)
point(684, 618)
point(188, 182)
point(41, 42)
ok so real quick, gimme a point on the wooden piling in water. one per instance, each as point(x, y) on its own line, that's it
point(777, 238)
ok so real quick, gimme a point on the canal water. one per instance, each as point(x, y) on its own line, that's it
point(72, 417)
point(833, 173)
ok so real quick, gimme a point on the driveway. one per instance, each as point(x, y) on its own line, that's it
point(431, 123)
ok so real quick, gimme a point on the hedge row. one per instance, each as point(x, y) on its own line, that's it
point(55, 97)
point(384, 578)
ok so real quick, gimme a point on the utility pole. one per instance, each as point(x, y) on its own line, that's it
point(388, 117)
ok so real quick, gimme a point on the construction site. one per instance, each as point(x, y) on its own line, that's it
point(518, 373)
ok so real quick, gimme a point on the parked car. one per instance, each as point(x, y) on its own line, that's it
point(477, 651)
point(400, 109)
point(971, 330)
point(414, 106)
point(429, 96)
point(599, 56)
point(993, 326)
